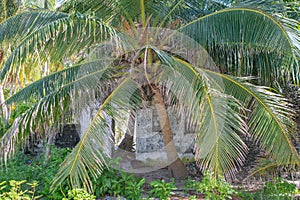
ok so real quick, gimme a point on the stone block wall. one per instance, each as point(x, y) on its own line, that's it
point(149, 140)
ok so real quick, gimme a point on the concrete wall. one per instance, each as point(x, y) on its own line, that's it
point(149, 140)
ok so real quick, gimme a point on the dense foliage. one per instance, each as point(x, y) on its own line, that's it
point(59, 58)
point(27, 168)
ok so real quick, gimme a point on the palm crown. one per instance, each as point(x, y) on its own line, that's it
point(110, 44)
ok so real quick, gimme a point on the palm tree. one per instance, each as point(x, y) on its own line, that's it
point(255, 50)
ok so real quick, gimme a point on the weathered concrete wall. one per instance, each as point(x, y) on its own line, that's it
point(149, 145)
point(86, 116)
point(149, 140)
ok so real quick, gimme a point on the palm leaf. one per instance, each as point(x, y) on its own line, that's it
point(72, 93)
point(88, 157)
point(108, 10)
point(225, 99)
point(59, 38)
point(290, 26)
point(7, 8)
point(218, 145)
point(249, 43)
point(99, 69)
point(267, 6)
point(266, 165)
point(18, 27)
point(271, 120)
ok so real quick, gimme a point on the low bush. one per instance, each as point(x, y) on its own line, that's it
point(276, 190)
point(161, 189)
point(115, 183)
point(33, 169)
point(79, 194)
point(213, 188)
point(15, 191)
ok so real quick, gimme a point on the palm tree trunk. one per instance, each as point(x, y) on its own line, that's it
point(176, 168)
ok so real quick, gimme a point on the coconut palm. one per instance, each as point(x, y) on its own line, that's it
point(110, 53)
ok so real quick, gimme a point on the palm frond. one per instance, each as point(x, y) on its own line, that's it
point(163, 12)
point(266, 166)
point(225, 100)
point(67, 94)
point(218, 145)
point(178, 10)
point(7, 8)
point(246, 42)
point(108, 10)
point(87, 159)
point(270, 120)
point(290, 26)
point(34, 120)
point(18, 27)
point(10, 137)
point(96, 69)
point(267, 6)
point(58, 39)
point(168, 12)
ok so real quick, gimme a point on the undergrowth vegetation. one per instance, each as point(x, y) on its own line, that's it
point(161, 189)
point(29, 177)
point(25, 167)
point(115, 183)
point(215, 189)
point(278, 189)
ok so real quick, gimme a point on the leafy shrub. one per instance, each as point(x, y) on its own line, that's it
point(253, 196)
point(191, 184)
point(161, 190)
point(116, 183)
point(133, 186)
point(50, 168)
point(213, 188)
point(279, 189)
point(193, 197)
point(79, 194)
point(32, 168)
point(16, 192)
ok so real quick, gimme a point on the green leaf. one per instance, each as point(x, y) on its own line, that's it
point(244, 42)
point(89, 156)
